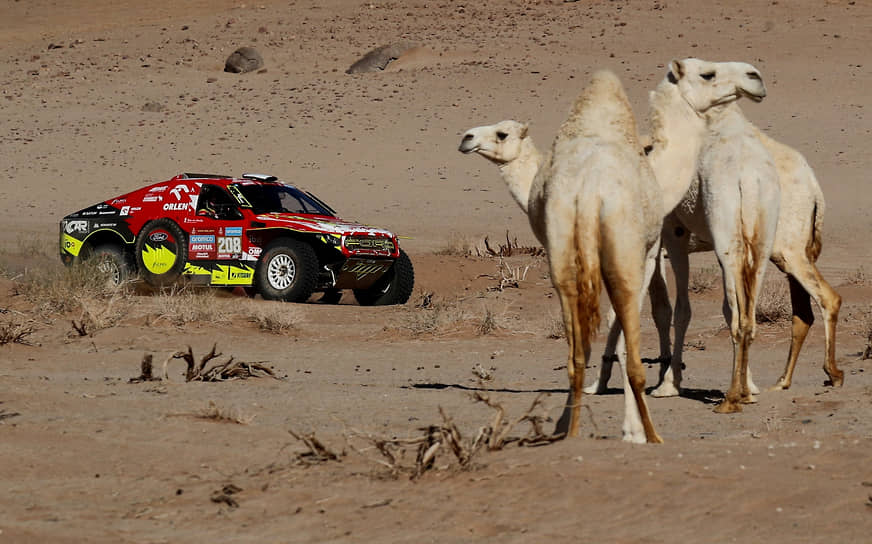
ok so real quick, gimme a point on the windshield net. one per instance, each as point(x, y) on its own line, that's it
point(277, 198)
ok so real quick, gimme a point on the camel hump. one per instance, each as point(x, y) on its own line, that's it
point(601, 110)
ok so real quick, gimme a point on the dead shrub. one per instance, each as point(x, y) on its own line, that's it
point(223, 414)
point(457, 246)
point(229, 370)
point(858, 277)
point(15, 328)
point(704, 280)
point(186, 304)
point(275, 317)
point(773, 304)
point(61, 290)
point(511, 247)
point(416, 455)
point(867, 334)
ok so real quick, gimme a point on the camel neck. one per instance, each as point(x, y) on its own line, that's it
point(678, 134)
point(519, 173)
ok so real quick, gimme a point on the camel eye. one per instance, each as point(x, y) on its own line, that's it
point(502, 136)
point(753, 75)
point(708, 76)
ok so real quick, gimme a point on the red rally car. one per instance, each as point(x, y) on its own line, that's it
point(255, 232)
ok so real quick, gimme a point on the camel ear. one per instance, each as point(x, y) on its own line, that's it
point(524, 128)
point(677, 69)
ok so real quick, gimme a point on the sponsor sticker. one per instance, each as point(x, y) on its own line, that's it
point(157, 236)
point(125, 210)
point(255, 251)
point(202, 239)
point(202, 247)
point(233, 231)
point(179, 206)
point(76, 226)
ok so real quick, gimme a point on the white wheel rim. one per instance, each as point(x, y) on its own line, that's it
point(110, 269)
point(281, 271)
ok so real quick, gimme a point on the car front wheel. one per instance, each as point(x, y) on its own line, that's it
point(110, 261)
point(394, 287)
point(288, 270)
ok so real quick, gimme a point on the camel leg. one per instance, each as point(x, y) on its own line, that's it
point(733, 315)
point(806, 281)
point(625, 289)
point(676, 243)
point(661, 311)
point(600, 384)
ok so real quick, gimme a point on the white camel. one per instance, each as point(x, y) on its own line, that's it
point(595, 205)
point(797, 241)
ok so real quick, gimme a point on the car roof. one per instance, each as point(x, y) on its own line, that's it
point(223, 179)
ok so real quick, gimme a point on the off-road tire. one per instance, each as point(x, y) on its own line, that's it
point(110, 259)
point(287, 270)
point(161, 252)
point(394, 287)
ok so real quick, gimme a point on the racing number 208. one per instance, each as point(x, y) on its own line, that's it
point(229, 244)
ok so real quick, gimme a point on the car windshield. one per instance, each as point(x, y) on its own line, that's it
point(277, 198)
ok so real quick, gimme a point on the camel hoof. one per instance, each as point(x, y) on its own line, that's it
point(781, 385)
point(666, 389)
point(750, 399)
point(836, 379)
point(594, 389)
point(655, 439)
point(727, 407)
point(635, 437)
point(752, 387)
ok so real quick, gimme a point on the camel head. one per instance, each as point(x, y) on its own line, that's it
point(706, 84)
point(499, 143)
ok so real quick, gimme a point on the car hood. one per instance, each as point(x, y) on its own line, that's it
point(320, 223)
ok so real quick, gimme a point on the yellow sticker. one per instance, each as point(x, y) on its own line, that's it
point(158, 260)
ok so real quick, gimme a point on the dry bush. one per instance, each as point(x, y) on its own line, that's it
point(186, 304)
point(61, 289)
point(433, 315)
point(416, 455)
point(277, 318)
point(511, 247)
point(704, 279)
point(867, 334)
point(858, 277)
point(101, 313)
point(773, 304)
point(487, 324)
point(15, 328)
point(457, 245)
point(554, 327)
point(437, 316)
point(199, 371)
point(223, 414)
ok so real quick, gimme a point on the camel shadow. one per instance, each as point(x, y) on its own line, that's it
point(704, 396)
point(439, 386)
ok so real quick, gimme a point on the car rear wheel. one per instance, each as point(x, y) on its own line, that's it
point(161, 252)
point(394, 287)
point(111, 261)
point(287, 270)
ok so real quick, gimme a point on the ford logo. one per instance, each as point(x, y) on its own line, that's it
point(157, 236)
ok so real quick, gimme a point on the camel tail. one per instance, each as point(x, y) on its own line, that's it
point(589, 274)
point(813, 249)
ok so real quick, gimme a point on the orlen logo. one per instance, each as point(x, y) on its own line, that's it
point(157, 236)
point(177, 191)
point(181, 206)
point(76, 226)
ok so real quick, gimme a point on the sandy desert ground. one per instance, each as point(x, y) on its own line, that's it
point(101, 97)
